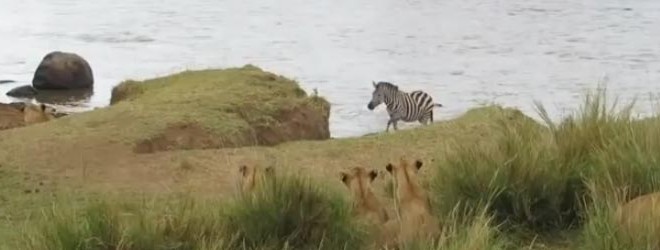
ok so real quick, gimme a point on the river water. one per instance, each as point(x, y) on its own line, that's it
point(464, 52)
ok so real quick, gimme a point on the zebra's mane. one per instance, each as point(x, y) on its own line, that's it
point(387, 85)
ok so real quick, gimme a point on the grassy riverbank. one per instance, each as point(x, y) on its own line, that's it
point(498, 179)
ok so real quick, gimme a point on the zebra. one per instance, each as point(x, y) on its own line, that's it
point(408, 107)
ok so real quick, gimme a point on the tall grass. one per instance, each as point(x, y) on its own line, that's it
point(109, 224)
point(478, 233)
point(292, 212)
point(533, 177)
point(518, 175)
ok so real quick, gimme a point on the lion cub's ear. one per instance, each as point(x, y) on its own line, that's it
point(372, 175)
point(269, 170)
point(344, 177)
point(418, 164)
point(389, 167)
point(243, 170)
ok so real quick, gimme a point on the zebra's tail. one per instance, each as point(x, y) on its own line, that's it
point(437, 105)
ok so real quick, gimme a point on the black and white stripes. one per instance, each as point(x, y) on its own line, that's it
point(408, 107)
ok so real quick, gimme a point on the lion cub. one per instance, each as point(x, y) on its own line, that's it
point(252, 176)
point(365, 204)
point(414, 206)
point(641, 214)
point(37, 113)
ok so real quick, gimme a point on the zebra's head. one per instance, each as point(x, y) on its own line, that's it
point(378, 96)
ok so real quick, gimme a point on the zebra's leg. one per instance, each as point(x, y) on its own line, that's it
point(392, 121)
point(426, 119)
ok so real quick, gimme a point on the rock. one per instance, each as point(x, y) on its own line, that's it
point(6, 81)
point(63, 70)
point(23, 91)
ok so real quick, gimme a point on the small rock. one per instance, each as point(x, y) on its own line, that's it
point(6, 81)
point(23, 91)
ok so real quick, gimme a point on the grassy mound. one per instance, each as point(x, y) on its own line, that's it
point(196, 109)
point(221, 108)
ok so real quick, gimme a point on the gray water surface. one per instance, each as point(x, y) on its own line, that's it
point(463, 52)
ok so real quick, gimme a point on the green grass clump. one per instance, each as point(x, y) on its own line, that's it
point(95, 227)
point(533, 177)
point(518, 176)
point(609, 147)
point(477, 233)
point(289, 213)
point(292, 212)
point(108, 224)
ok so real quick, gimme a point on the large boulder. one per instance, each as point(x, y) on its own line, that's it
point(63, 70)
